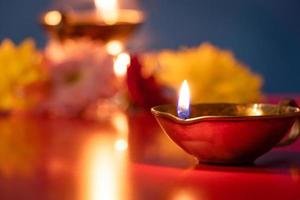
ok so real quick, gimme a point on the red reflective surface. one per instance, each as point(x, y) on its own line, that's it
point(128, 157)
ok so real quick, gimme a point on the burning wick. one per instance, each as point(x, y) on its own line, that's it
point(183, 107)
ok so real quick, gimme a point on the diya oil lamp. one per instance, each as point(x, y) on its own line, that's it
point(105, 23)
point(224, 133)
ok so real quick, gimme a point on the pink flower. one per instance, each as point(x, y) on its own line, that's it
point(80, 74)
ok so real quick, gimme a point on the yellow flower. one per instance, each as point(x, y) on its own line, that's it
point(20, 66)
point(214, 75)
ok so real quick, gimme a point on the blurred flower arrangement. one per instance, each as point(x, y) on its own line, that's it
point(80, 73)
point(214, 75)
point(62, 80)
point(21, 70)
point(65, 79)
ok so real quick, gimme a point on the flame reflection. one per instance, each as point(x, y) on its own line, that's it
point(104, 178)
point(120, 123)
point(255, 110)
point(121, 145)
point(186, 194)
point(105, 163)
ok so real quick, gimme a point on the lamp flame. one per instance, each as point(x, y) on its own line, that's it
point(108, 10)
point(183, 107)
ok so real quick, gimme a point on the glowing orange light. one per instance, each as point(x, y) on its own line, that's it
point(108, 10)
point(104, 168)
point(53, 18)
point(121, 64)
point(100, 171)
point(185, 195)
point(121, 145)
point(255, 110)
point(183, 108)
point(120, 122)
point(114, 47)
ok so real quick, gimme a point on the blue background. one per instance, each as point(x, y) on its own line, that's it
point(263, 34)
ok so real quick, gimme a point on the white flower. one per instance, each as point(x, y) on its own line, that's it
point(81, 72)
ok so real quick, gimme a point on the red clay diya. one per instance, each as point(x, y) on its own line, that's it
point(230, 134)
